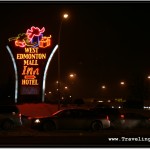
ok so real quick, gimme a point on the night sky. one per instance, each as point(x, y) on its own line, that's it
point(102, 42)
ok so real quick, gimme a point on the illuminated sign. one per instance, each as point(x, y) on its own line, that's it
point(30, 69)
point(31, 54)
point(30, 42)
point(32, 38)
point(34, 32)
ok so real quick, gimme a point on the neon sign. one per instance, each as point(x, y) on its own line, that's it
point(45, 42)
point(31, 54)
point(34, 32)
point(32, 38)
point(30, 42)
point(31, 57)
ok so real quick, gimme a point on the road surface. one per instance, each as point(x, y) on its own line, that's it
point(106, 138)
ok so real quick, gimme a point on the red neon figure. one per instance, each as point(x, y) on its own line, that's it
point(35, 31)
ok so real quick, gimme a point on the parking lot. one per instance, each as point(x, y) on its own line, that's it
point(25, 136)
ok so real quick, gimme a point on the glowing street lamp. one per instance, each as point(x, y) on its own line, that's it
point(103, 87)
point(65, 16)
point(66, 87)
point(122, 83)
point(72, 75)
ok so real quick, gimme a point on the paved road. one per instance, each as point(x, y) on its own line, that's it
point(28, 138)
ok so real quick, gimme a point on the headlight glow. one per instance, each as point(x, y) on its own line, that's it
point(37, 121)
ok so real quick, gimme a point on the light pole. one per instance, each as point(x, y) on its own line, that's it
point(65, 16)
point(123, 90)
point(103, 91)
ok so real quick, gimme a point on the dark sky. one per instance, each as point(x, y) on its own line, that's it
point(103, 43)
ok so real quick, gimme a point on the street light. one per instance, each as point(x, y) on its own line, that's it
point(122, 82)
point(72, 75)
point(103, 87)
point(65, 16)
point(66, 87)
